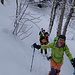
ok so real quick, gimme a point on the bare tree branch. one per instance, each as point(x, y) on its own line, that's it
point(26, 36)
point(25, 31)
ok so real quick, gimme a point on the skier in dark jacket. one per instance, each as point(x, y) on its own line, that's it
point(44, 41)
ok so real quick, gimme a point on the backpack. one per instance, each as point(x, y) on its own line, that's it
point(40, 35)
point(56, 39)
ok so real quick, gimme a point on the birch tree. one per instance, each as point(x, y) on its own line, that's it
point(21, 7)
point(23, 18)
point(68, 18)
point(67, 21)
point(53, 14)
point(2, 1)
point(61, 18)
point(16, 25)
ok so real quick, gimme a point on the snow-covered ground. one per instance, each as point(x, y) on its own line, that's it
point(16, 55)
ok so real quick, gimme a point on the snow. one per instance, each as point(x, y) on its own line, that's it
point(16, 55)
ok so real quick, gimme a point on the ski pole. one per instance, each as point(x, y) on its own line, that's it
point(32, 60)
point(74, 71)
point(74, 67)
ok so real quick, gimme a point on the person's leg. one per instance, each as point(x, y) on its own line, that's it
point(53, 71)
point(45, 51)
point(55, 67)
point(49, 72)
point(57, 72)
point(58, 68)
point(53, 64)
point(42, 51)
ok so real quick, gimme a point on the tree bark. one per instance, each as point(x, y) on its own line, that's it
point(61, 19)
point(53, 14)
point(16, 25)
point(68, 19)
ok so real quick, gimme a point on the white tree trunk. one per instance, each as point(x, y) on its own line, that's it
point(52, 17)
point(61, 18)
point(68, 19)
point(16, 24)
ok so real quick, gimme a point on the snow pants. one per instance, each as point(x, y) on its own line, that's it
point(44, 50)
point(55, 67)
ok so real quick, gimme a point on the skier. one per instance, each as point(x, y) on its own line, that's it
point(57, 53)
point(41, 33)
point(44, 41)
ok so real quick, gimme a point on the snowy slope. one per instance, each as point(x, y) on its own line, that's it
point(16, 55)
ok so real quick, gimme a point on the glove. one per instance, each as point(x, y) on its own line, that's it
point(73, 62)
point(49, 57)
point(36, 46)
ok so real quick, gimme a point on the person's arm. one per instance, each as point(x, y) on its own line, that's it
point(39, 32)
point(69, 55)
point(72, 60)
point(50, 45)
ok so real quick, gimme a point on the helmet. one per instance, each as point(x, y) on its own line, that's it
point(62, 36)
point(45, 33)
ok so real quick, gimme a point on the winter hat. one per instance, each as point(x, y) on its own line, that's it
point(45, 33)
point(62, 36)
